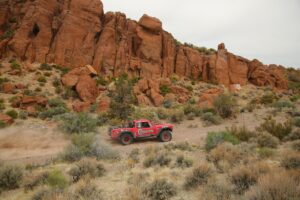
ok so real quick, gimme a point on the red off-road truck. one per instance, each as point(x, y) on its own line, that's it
point(141, 128)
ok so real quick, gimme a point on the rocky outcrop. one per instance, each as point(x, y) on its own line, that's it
point(6, 119)
point(77, 33)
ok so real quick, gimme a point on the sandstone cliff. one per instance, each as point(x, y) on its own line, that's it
point(74, 33)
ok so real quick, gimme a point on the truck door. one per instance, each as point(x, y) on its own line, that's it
point(144, 129)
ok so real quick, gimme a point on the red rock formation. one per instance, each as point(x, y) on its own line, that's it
point(76, 33)
point(6, 119)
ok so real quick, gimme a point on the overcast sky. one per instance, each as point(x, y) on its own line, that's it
point(268, 30)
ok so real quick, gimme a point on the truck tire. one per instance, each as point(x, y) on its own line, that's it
point(165, 136)
point(126, 138)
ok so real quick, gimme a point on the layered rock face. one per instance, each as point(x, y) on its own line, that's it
point(75, 33)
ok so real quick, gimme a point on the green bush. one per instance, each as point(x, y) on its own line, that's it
point(42, 79)
point(279, 130)
point(78, 123)
point(164, 89)
point(183, 162)
point(45, 66)
point(57, 180)
point(190, 108)
point(198, 176)
point(265, 139)
point(291, 161)
point(15, 65)
point(56, 102)
point(242, 133)
point(213, 139)
point(225, 105)
point(10, 177)
point(86, 167)
point(2, 124)
point(52, 112)
point(283, 104)
point(160, 190)
point(211, 118)
point(12, 113)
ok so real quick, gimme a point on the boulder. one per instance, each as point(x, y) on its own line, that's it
point(87, 89)
point(6, 119)
point(150, 23)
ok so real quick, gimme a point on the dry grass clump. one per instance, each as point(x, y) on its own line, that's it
point(35, 179)
point(162, 159)
point(265, 152)
point(198, 176)
point(160, 189)
point(275, 186)
point(225, 105)
point(279, 130)
point(296, 145)
point(242, 133)
point(183, 162)
point(86, 190)
point(291, 160)
point(243, 177)
point(10, 177)
point(86, 167)
point(182, 146)
point(265, 139)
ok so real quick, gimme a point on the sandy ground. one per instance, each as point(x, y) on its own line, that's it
point(34, 140)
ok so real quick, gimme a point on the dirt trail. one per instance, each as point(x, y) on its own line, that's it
point(36, 141)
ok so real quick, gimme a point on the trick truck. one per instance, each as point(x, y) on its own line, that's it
point(141, 128)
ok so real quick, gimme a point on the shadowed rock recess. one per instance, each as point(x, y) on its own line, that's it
point(75, 33)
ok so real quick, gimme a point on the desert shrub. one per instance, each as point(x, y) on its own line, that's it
point(56, 102)
point(78, 123)
point(167, 104)
point(160, 190)
point(15, 65)
point(144, 113)
point(57, 180)
point(291, 161)
point(45, 66)
point(190, 108)
point(183, 162)
point(242, 133)
point(161, 160)
point(164, 89)
point(48, 193)
point(87, 190)
point(243, 177)
point(191, 116)
point(296, 145)
point(10, 177)
point(101, 80)
point(294, 135)
point(275, 186)
point(2, 124)
point(104, 152)
point(86, 167)
point(102, 119)
point(283, 104)
point(33, 180)
point(296, 121)
point(279, 130)
point(52, 112)
point(134, 155)
point(122, 100)
point(84, 142)
point(211, 118)
point(265, 152)
point(56, 82)
point(69, 93)
point(42, 79)
point(72, 153)
point(268, 98)
point(182, 146)
point(198, 176)
point(12, 113)
point(177, 115)
point(213, 139)
point(162, 113)
point(225, 105)
point(218, 189)
point(265, 139)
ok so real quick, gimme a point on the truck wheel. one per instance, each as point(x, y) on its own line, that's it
point(126, 138)
point(165, 136)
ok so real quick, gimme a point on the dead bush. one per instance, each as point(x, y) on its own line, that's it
point(243, 177)
point(291, 160)
point(275, 186)
point(198, 176)
point(86, 167)
point(160, 190)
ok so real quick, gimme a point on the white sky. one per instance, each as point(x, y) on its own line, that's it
point(268, 30)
